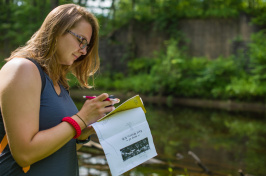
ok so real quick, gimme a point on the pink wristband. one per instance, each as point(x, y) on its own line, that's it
point(74, 124)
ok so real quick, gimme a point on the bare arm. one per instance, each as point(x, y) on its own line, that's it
point(20, 91)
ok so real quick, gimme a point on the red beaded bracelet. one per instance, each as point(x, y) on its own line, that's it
point(74, 124)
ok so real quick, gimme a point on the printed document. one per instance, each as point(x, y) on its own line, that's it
point(126, 137)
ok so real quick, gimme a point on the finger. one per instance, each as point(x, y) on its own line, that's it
point(102, 97)
point(108, 103)
point(115, 100)
point(109, 108)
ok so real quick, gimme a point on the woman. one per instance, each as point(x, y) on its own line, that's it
point(39, 118)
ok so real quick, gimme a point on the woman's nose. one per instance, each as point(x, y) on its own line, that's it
point(83, 51)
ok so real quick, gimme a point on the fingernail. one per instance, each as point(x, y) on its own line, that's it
point(116, 100)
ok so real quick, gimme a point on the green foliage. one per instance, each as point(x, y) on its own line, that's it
point(166, 14)
point(172, 73)
point(243, 88)
point(216, 75)
point(251, 84)
point(72, 81)
point(20, 20)
point(140, 65)
point(175, 74)
point(259, 19)
point(258, 55)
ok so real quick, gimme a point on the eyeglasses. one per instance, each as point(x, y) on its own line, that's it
point(83, 42)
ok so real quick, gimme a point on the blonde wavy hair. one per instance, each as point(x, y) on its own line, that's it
point(42, 45)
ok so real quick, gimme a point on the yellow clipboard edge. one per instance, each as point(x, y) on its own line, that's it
point(131, 103)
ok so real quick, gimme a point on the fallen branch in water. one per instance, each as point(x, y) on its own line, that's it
point(199, 163)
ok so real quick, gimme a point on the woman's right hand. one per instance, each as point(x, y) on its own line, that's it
point(94, 109)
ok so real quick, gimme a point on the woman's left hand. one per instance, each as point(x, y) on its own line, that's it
point(86, 133)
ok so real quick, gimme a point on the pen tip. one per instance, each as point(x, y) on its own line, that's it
point(84, 96)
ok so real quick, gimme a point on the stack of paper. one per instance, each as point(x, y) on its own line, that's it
point(125, 136)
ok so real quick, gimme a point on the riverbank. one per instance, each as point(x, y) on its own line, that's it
point(228, 105)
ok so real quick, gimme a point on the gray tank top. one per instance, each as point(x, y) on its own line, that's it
point(53, 109)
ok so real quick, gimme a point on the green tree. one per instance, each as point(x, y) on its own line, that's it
point(19, 20)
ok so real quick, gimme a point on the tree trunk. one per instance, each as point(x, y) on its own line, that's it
point(112, 10)
point(131, 38)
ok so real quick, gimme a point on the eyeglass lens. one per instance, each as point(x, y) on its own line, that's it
point(83, 44)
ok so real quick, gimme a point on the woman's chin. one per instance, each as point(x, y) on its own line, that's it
point(67, 63)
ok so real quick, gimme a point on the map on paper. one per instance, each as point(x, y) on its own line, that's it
point(126, 137)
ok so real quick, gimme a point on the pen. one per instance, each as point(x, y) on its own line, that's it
point(110, 98)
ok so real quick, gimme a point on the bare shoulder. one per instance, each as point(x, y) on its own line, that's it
point(18, 64)
point(19, 72)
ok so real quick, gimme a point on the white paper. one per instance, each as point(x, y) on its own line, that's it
point(126, 140)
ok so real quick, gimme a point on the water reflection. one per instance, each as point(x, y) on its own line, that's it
point(224, 142)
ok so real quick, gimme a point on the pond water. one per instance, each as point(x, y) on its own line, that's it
point(224, 142)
